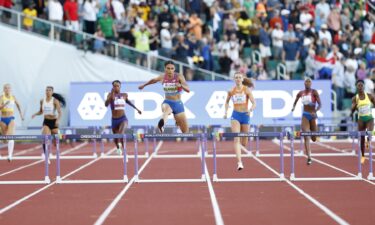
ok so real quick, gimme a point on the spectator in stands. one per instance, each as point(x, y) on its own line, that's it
point(351, 66)
point(99, 42)
point(142, 43)
point(5, 16)
point(322, 9)
point(334, 22)
point(39, 7)
point(276, 19)
point(108, 28)
point(234, 48)
point(277, 41)
point(244, 24)
point(71, 15)
point(29, 12)
point(165, 40)
point(90, 9)
point(265, 43)
point(325, 34)
point(291, 56)
point(370, 57)
point(338, 78)
point(55, 15)
point(195, 26)
point(225, 63)
point(181, 48)
point(368, 27)
point(118, 9)
point(305, 18)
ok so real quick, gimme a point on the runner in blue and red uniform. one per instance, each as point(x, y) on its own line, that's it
point(117, 101)
point(173, 84)
point(310, 98)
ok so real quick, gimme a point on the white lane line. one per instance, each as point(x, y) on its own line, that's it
point(113, 204)
point(42, 160)
point(28, 150)
point(325, 209)
point(215, 205)
point(14, 204)
point(334, 167)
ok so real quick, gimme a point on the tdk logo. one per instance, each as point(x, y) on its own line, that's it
point(216, 105)
point(92, 107)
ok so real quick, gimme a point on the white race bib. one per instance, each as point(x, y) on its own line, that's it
point(364, 110)
point(239, 99)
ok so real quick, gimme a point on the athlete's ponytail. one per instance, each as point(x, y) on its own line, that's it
point(248, 82)
point(60, 98)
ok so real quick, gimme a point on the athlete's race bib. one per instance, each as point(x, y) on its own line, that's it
point(364, 110)
point(239, 99)
point(170, 88)
point(306, 99)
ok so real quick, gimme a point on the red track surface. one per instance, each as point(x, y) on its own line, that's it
point(188, 203)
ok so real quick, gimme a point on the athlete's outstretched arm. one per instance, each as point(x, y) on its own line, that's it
point(131, 104)
point(40, 110)
point(295, 101)
point(183, 83)
point(152, 81)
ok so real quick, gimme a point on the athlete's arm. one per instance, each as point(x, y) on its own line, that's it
point(227, 104)
point(372, 98)
point(317, 97)
point(295, 101)
point(109, 98)
point(152, 81)
point(252, 100)
point(131, 104)
point(18, 107)
point(354, 106)
point(183, 83)
point(59, 113)
point(3, 104)
point(40, 110)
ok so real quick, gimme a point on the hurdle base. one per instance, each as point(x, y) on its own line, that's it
point(325, 178)
point(47, 180)
point(58, 180)
point(95, 155)
point(126, 180)
point(292, 177)
point(214, 178)
point(370, 176)
point(22, 182)
point(276, 179)
point(203, 178)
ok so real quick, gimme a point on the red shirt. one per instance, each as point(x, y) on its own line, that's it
point(6, 3)
point(72, 9)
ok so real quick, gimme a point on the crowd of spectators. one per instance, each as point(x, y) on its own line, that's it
point(324, 39)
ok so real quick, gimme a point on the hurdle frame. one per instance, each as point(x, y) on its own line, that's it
point(319, 133)
point(251, 134)
point(45, 139)
point(202, 138)
point(60, 180)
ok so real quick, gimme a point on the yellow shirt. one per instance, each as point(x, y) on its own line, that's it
point(10, 106)
point(27, 21)
point(364, 106)
point(244, 25)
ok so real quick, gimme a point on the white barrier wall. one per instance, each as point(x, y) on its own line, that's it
point(30, 63)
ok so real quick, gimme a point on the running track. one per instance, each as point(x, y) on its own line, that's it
point(285, 202)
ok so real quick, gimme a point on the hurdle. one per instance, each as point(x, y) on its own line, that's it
point(59, 179)
point(281, 177)
point(371, 173)
point(46, 139)
point(338, 133)
point(202, 139)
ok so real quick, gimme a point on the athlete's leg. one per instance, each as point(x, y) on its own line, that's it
point(236, 128)
point(10, 131)
point(167, 110)
point(181, 121)
point(305, 127)
point(245, 129)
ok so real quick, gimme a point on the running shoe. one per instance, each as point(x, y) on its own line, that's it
point(239, 166)
point(309, 161)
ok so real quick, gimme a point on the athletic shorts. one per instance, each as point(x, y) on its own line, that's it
point(51, 124)
point(365, 118)
point(176, 106)
point(241, 117)
point(116, 122)
point(7, 120)
point(308, 116)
